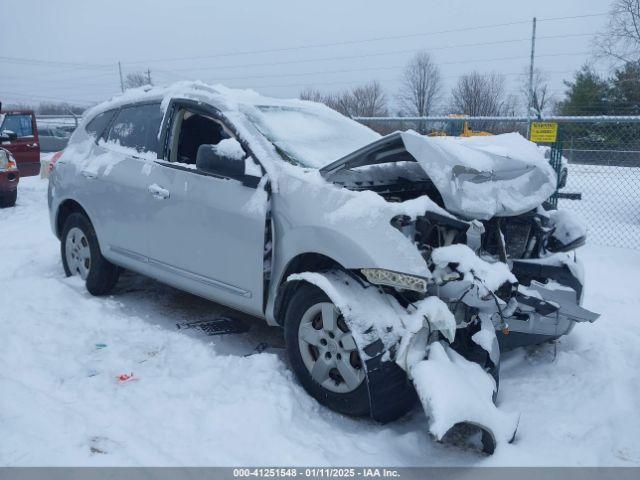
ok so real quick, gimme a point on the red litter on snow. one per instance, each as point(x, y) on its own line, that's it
point(126, 378)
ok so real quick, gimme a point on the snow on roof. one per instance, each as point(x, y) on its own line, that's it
point(309, 133)
point(224, 98)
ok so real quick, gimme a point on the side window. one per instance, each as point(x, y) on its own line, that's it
point(194, 130)
point(137, 127)
point(97, 126)
point(21, 125)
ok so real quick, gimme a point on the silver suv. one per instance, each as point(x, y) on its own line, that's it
point(288, 211)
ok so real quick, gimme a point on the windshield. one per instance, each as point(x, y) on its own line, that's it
point(313, 136)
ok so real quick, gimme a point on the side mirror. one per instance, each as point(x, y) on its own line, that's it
point(8, 136)
point(225, 158)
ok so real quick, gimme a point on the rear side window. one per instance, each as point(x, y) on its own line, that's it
point(137, 127)
point(21, 125)
point(97, 126)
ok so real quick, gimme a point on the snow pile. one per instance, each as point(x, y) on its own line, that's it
point(454, 390)
point(483, 177)
point(569, 227)
point(369, 207)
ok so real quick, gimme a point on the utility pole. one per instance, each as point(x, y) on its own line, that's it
point(533, 54)
point(149, 76)
point(121, 82)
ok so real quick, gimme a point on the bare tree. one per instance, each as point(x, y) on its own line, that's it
point(313, 95)
point(368, 100)
point(59, 108)
point(542, 100)
point(621, 38)
point(479, 95)
point(136, 79)
point(421, 86)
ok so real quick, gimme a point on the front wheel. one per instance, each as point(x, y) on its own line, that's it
point(323, 353)
point(81, 256)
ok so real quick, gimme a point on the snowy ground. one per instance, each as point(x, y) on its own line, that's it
point(201, 401)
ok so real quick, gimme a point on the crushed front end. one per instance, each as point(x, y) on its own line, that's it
point(501, 270)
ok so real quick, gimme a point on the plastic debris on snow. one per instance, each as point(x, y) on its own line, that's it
point(126, 377)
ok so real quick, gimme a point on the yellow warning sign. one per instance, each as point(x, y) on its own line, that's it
point(544, 132)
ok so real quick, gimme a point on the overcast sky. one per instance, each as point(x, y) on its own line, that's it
point(69, 49)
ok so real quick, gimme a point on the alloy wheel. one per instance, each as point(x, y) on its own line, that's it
point(328, 349)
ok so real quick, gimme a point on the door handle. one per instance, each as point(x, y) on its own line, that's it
point(32, 145)
point(158, 192)
point(88, 174)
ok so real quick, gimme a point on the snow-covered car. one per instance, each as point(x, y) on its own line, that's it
point(386, 260)
point(9, 178)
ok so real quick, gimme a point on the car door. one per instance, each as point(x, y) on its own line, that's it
point(117, 180)
point(207, 234)
point(25, 147)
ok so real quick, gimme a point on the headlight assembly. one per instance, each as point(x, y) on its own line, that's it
point(379, 276)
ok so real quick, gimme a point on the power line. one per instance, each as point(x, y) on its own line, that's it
point(376, 54)
point(355, 42)
point(392, 67)
point(79, 65)
point(510, 74)
point(28, 61)
point(40, 98)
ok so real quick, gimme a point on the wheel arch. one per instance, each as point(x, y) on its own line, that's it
point(304, 262)
point(66, 208)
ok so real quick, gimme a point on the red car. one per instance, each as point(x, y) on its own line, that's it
point(9, 177)
point(19, 151)
point(19, 135)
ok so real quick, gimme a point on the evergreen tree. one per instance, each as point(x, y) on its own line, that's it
point(625, 90)
point(587, 94)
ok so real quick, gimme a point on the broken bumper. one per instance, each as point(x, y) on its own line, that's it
point(549, 305)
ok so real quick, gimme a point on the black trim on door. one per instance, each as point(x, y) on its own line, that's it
point(246, 180)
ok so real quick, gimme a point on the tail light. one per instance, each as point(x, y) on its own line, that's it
point(54, 160)
point(7, 162)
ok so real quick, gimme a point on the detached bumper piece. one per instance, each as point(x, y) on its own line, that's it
point(549, 306)
point(457, 396)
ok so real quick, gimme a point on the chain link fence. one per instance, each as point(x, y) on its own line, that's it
point(597, 160)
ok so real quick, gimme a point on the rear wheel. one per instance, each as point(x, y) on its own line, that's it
point(81, 256)
point(8, 199)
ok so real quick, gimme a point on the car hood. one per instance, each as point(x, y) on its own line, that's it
point(477, 177)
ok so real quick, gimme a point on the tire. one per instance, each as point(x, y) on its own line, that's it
point(81, 256)
point(473, 352)
point(305, 312)
point(8, 200)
